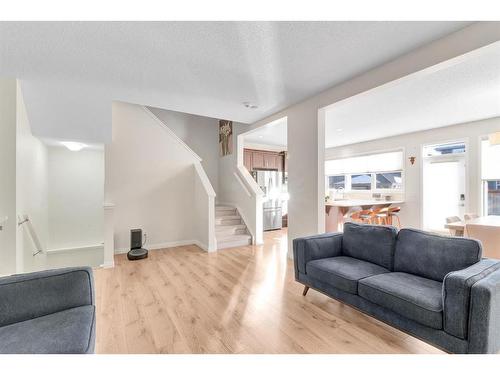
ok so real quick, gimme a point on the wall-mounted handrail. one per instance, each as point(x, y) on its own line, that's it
point(25, 221)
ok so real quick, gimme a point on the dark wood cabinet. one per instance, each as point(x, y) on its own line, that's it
point(258, 159)
point(247, 160)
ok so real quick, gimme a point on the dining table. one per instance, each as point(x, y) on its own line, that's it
point(336, 210)
point(485, 229)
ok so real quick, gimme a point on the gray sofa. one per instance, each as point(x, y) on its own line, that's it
point(434, 287)
point(48, 312)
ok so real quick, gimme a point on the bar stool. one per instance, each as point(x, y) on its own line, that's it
point(393, 212)
point(382, 216)
point(363, 216)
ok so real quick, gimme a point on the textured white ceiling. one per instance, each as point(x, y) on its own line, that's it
point(272, 134)
point(453, 93)
point(71, 71)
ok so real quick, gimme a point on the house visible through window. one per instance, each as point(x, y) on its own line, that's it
point(361, 181)
point(336, 182)
point(389, 180)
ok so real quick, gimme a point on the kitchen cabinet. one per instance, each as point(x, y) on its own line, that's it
point(247, 159)
point(258, 159)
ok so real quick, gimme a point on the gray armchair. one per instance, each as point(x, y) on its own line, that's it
point(48, 312)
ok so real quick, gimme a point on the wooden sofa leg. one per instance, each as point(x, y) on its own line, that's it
point(306, 288)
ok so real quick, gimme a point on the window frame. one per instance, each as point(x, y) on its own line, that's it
point(347, 188)
point(374, 189)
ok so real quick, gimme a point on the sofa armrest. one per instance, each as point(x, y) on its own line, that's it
point(28, 296)
point(484, 322)
point(457, 287)
point(319, 246)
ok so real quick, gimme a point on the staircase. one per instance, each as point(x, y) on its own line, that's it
point(230, 230)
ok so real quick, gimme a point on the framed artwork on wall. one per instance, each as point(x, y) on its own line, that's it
point(225, 137)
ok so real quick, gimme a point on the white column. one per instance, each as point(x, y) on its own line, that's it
point(306, 148)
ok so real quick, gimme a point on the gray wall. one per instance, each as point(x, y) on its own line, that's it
point(201, 134)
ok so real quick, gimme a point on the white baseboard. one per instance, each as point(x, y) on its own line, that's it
point(166, 245)
point(71, 249)
point(108, 265)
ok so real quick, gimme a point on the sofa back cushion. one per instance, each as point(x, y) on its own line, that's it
point(433, 256)
point(373, 243)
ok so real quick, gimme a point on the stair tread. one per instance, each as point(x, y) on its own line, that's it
point(228, 217)
point(223, 208)
point(230, 226)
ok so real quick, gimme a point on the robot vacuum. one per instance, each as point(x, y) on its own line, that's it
point(136, 246)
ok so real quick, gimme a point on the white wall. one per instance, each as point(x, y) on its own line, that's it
point(150, 179)
point(306, 122)
point(32, 190)
point(8, 175)
point(200, 133)
point(76, 196)
point(411, 214)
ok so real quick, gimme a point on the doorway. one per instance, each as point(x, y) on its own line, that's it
point(444, 187)
point(265, 158)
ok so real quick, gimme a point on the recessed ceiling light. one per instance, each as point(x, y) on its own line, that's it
point(250, 105)
point(339, 129)
point(74, 146)
point(261, 136)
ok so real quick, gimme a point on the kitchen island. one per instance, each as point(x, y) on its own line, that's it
point(336, 210)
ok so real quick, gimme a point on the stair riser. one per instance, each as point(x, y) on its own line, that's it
point(228, 222)
point(229, 244)
point(225, 213)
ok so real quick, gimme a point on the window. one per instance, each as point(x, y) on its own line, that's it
point(336, 182)
point(389, 180)
point(490, 176)
point(444, 149)
point(492, 197)
point(361, 181)
point(380, 171)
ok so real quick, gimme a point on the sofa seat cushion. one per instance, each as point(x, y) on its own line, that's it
point(68, 331)
point(342, 272)
point(411, 296)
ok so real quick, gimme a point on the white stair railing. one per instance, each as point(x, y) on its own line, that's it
point(25, 222)
point(249, 200)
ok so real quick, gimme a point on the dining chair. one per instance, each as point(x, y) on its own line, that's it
point(468, 217)
point(489, 237)
point(454, 232)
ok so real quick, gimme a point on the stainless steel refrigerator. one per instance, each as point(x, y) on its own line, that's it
point(271, 184)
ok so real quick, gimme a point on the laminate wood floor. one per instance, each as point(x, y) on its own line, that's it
point(241, 300)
